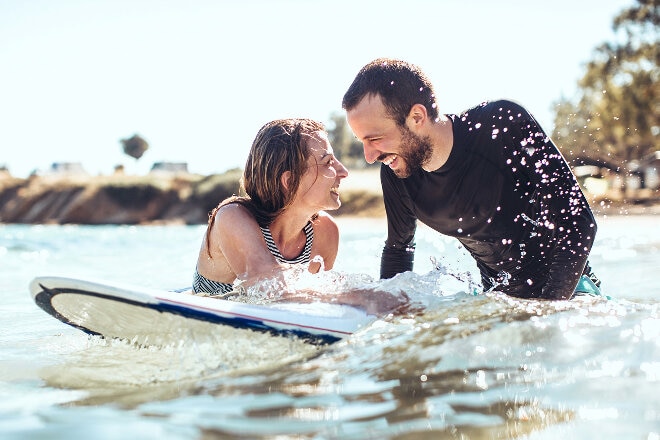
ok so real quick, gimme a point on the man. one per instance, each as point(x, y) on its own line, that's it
point(490, 177)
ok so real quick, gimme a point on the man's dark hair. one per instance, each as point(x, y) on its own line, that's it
point(399, 84)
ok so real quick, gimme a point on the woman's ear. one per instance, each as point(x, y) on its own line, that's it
point(285, 180)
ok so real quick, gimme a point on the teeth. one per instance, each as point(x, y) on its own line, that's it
point(389, 159)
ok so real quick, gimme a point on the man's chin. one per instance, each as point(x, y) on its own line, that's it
point(402, 172)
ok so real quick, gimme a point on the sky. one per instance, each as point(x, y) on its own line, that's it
point(198, 78)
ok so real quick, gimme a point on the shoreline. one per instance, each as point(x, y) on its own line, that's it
point(183, 198)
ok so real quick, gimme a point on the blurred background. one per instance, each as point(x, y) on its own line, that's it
point(173, 88)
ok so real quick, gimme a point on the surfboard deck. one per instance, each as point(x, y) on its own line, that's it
point(145, 315)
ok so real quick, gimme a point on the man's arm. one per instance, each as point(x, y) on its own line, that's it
point(399, 250)
point(570, 257)
point(395, 260)
point(565, 209)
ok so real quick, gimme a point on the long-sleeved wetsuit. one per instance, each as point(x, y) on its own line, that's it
point(507, 194)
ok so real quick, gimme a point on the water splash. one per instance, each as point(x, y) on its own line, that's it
point(502, 279)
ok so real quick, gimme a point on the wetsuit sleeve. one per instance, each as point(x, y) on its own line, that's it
point(399, 250)
point(563, 207)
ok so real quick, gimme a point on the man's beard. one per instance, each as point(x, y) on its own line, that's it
point(415, 151)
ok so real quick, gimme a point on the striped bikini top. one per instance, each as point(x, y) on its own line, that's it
point(201, 284)
point(304, 255)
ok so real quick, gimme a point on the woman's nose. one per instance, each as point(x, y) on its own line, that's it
point(342, 171)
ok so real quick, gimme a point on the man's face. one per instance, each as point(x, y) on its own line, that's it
point(385, 141)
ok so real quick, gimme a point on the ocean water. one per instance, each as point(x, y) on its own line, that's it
point(468, 366)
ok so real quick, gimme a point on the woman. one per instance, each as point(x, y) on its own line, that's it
point(290, 178)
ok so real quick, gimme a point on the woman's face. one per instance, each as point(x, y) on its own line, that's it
point(319, 186)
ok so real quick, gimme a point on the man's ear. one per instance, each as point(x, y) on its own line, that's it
point(417, 116)
point(285, 180)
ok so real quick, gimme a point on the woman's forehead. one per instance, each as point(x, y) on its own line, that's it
point(318, 143)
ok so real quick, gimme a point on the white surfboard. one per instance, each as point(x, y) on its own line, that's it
point(153, 316)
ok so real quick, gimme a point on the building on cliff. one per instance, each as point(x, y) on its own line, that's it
point(169, 167)
point(63, 168)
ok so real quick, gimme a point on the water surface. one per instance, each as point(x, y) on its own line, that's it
point(477, 366)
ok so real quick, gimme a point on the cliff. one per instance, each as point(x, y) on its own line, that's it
point(188, 198)
point(119, 199)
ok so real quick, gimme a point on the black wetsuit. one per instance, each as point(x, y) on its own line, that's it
point(507, 194)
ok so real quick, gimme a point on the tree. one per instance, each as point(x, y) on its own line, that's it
point(615, 120)
point(134, 146)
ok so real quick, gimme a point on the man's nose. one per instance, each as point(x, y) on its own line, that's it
point(370, 154)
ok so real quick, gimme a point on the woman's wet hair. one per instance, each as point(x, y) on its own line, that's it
point(278, 147)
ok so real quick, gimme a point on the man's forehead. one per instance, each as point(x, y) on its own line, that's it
point(369, 117)
point(370, 106)
point(372, 99)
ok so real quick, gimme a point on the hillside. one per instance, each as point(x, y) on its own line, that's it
point(188, 198)
point(153, 198)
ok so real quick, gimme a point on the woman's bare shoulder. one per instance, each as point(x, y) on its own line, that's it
point(326, 225)
point(325, 219)
point(234, 217)
point(232, 211)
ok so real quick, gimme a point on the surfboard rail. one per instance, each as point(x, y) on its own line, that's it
point(114, 310)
